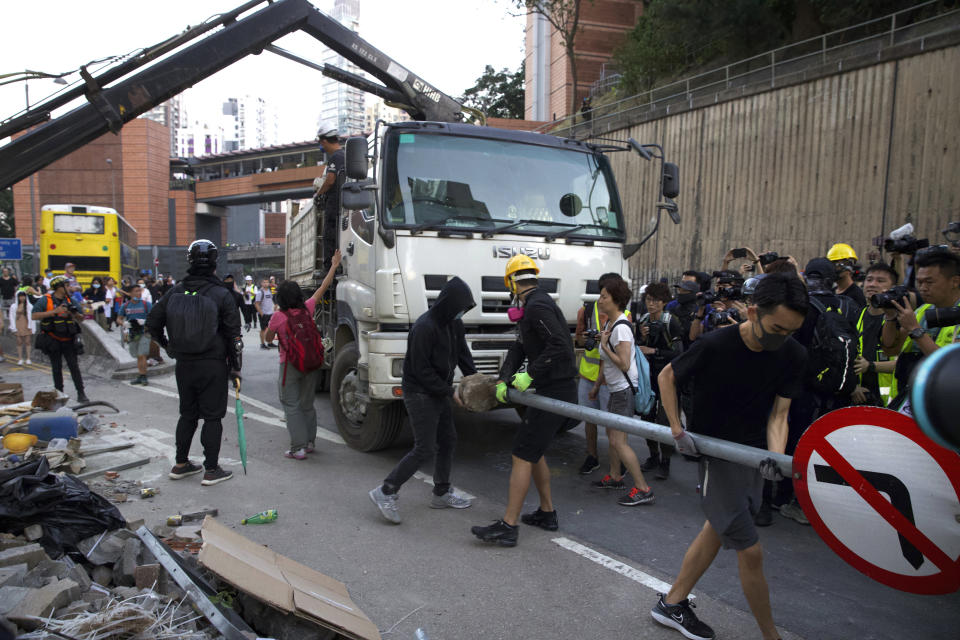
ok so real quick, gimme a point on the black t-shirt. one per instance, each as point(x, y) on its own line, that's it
point(337, 166)
point(734, 387)
point(855, 293)
point(8, 287)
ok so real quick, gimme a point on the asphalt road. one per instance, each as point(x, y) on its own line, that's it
point(597, 577)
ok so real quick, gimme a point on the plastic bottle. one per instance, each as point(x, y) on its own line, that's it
point(270, 515)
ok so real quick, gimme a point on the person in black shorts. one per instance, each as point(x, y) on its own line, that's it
point(730, 494)
point(544, 341)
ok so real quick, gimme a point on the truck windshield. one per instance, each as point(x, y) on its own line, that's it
point(434, 181)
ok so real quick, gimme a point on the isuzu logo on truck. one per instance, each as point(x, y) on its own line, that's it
point(540, 253)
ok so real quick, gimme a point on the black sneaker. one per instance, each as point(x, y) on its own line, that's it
point(589, 465)
point(764, 517)
point(650, 463)
point(272, 346)
point(143, 381)
point(682, 618)
point(182, 471)
point(263, 346)
point(608, 483)
point(499, 532)
point(636, 497)
point(82, 397)
point(135, 380)
point(215, 476)
point(543, 519)
point(663, 469)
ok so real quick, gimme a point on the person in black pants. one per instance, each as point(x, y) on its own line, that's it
point(328, 189)
point(203, 326)
point(435, 347)
point(59, 322)
point(544, 341)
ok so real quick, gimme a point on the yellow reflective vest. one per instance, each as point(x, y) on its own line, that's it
point(886, 381)
point(590, 362)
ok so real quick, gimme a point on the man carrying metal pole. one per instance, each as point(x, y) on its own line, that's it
point(730, 494)
point(543, 341)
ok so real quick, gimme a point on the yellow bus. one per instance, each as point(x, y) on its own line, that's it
point(95, 239)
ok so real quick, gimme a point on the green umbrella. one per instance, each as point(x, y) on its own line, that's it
point(241, 434)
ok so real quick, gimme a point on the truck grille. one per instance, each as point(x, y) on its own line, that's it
point(489, 365)
point(495, 296)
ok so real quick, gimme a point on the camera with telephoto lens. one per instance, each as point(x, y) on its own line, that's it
point(946, 317)
point(909, 244)
point(705, 297)
point(591, 338)
point(886, 299)
point(654, 332)
point(730, 293)
point(720, 318)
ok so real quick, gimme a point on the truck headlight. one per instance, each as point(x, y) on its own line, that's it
point(396, 368)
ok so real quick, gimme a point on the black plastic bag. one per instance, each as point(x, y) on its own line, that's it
point(64, 506)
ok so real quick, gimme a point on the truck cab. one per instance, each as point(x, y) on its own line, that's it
point(425, 201)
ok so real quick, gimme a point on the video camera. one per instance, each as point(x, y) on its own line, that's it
point(902, 240)
point(734, 292)
point(945, 317)
point(885, 300)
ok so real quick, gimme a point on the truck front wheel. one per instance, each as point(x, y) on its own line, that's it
point(364, 425)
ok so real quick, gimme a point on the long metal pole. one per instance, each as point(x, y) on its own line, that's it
point(35, 262)
point(713, 447)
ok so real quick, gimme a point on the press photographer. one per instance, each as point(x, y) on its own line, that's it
point(915, 334)
point(59, 333)
point(874, 369)
point(658, 334)
point(720, 309)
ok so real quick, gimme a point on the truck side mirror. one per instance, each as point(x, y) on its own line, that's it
point(670, 185)
point(356, 158)
point(356, 196)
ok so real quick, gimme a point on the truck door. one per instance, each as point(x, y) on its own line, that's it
point(356, 244)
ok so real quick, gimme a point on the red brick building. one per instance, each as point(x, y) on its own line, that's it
point(549, 91)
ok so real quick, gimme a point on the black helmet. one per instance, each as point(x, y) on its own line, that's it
point(202, 253)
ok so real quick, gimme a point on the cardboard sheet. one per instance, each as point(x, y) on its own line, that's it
point(282, 583)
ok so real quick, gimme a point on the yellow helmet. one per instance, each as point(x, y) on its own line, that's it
point(517, 263)
point(841, 251)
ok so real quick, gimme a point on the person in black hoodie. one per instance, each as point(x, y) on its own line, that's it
point(435, 347)
point(203, 326)
point(544, 340)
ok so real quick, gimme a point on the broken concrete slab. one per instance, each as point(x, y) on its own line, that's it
point(123, 570)
point(41, 602)
point(11, 597)
point(33, 533)
point(79, 575)
point(13, 575)
point(106, 547)
point(30, 554)
point(147, 576)
point(10, 543)
point(102, 575)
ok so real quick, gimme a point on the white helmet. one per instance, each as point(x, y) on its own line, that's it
point(327, 130)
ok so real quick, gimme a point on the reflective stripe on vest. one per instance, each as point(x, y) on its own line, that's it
point(590, 362)
point(887, 382)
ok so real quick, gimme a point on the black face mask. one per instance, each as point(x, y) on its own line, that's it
point(686, 298)
point(769, 341)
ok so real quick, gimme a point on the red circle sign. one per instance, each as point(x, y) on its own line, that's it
point(883, 496)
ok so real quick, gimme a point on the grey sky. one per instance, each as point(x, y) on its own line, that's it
point(447, 42)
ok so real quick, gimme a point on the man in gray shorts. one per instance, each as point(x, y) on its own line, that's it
point(730, 494)
point(134, 314)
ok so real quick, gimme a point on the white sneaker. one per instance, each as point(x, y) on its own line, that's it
point(29, 361)
point(19, 361)
point(387, 504)
point(2, 359)
point(450, 500)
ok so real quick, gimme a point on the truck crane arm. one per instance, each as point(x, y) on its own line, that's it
point(115, 98)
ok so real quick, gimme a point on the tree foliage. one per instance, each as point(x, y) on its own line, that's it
point(499, 94)
point(674, 38)
point(564, 17)
point(7, 229)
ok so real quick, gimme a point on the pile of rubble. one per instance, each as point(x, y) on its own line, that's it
point(117, 590)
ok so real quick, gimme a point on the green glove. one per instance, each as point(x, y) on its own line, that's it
point(521, 381)
point(502, 392)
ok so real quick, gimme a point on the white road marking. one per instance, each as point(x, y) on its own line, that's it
point(420, 475)
point(321, 433)
point(614, 565)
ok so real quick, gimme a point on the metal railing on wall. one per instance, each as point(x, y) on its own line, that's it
point(833, 52)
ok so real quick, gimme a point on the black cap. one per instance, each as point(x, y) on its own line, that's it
point(820, 267)
point(687, 285)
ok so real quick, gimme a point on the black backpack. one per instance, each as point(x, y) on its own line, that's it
point(832, 351)
point(192, 321)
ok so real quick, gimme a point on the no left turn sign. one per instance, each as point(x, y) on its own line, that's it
point(884, 497)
